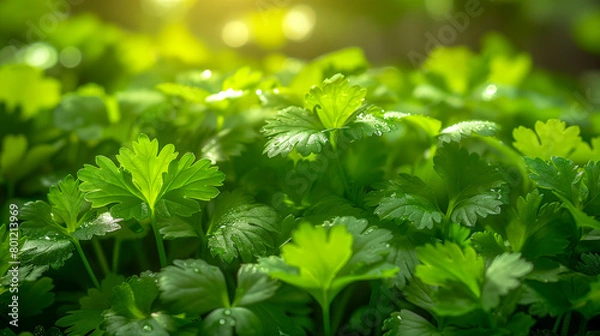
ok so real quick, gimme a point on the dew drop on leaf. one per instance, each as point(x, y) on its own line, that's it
point(227, 312)
point(222, 321)
point(147, 327)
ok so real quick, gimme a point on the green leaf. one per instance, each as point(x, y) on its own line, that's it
point(591, 182)
point(368, 121)
point(150, 181)
point(46, 250)
point(407, 323)
point(67, 217)
point(476, 188)
point(18, 159)
point(26, 87)
point(590, 264)
point(232, 321)
point(84, 115)
point(488, 244)
point(241, 228)
point(324, 261)
point(589, 305)
point(501, 276)
point(66, 201)
point(552, 138)
point(538, 230)
point(408, 198)
point(132, 309)
point(193, 287)
point(97, 225)
point(253, 286)
point(560, 175)
point(447, 265)
point(147, 165)
point(106, 184)
point(185, 182)
point(427, 124)
point(335, 101)
point(294, 128)
point(313, 260)
point(465, 129)
point(87, 320)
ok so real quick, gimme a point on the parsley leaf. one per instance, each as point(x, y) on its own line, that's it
point(475, 187)
point(294, 128)
point(239, 227)
point(465, 129)
point(551, 138)
point(407, 198)
point(193, 287)
point(149, 181)
point(335, 101)
point(501, 276)
point(407, 323)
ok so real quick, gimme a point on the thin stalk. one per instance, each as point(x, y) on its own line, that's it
point(162, 255)
point(565, 326)
point(115, 255)
point(557, 323)
point(86, 263)
point(582, 326)
point(343, 302)
point(101, 256)
point(326, 320)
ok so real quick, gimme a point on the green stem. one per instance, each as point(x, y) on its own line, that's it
point(582, 326)
point(557, 323)
point(162, 255)
point(326, 320)
point(115, 255)
point(565, 326)
point(343, 302)
point(101, 256)
point(86, 263)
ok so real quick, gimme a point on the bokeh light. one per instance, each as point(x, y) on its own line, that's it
point(299, 23)
point(40, 55)
point(235, 34)
point(70, 57)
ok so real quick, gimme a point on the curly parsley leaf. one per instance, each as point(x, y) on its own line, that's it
point(407, 198)
point(241, 228)
point(294, 128)
point(335, 101)
point(150, 181)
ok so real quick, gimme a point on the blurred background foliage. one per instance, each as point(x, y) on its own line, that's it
point(136, 35)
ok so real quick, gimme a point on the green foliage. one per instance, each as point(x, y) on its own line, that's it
point(459, 198)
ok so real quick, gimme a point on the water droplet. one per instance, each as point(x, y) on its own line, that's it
point(196, 270)
point(369, 231)
point(387, 245)
point(147, 327)
point(232, 323)
point(222, 321)
point(227, 312)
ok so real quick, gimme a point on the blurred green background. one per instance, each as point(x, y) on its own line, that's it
point(135, 35)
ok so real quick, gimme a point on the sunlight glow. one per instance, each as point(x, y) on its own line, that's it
point(299, 23)
point(235, 34)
